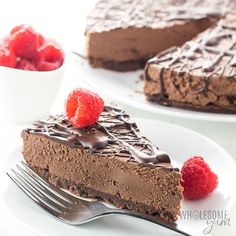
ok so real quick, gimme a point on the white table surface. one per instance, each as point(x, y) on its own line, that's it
point(64, 20)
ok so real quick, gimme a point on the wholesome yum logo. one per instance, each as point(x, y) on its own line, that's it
point(211, 217)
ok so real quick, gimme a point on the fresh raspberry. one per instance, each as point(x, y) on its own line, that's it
point(51, 53)
point(24, 64)
point(83, 107)
point(6, 43)
point(24, 42)
point(7, 58)
point(198, 180)
point(17, 28)
point(50, 57)
point(41, 40)
point(47, 66)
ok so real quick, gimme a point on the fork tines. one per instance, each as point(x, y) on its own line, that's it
point(52, 199)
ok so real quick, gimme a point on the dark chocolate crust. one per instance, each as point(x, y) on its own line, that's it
point(208, 108)
point(116, 200)
point(118, 66)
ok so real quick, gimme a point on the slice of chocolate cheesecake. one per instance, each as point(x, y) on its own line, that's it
point(123, 34)
point(200, 75)
point(109, 160)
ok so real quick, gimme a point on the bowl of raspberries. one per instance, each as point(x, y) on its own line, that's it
point(31, 71)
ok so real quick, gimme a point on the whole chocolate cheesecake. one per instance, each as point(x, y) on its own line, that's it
point(200, 75)
point(123, 34)
point(194, 42)
point(109, 160)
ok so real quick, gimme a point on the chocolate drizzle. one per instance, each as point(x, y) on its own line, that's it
point(109, 15)
point(210, 55)
point(115, 134)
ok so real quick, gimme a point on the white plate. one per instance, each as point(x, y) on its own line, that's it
point(127, 88)
point(180, 143)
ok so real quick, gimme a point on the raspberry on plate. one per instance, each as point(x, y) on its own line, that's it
point(198, 180)
point(83, 107)
point(24, 42)
point(7, 58)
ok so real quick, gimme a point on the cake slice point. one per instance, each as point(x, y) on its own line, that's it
point(109, 160)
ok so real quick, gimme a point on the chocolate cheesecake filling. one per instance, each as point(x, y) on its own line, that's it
point(123, 35)
point(109, 160)
point(200, 74)
point(107, 131)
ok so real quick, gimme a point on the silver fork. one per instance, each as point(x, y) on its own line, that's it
point(70, 209)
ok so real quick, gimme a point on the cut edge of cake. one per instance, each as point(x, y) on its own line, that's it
point(109, 160)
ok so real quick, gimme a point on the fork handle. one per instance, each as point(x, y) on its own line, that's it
point(179, 228)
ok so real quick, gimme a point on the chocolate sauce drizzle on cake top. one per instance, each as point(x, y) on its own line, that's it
point(115, 14)
point(212, 54)
point(115, 134)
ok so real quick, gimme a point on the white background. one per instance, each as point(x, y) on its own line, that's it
point(64, 21)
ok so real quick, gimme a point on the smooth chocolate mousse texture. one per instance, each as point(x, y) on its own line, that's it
point(200, 75)
point(123, 34)
point(109, 160)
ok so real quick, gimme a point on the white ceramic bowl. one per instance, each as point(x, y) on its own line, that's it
point(26, 96)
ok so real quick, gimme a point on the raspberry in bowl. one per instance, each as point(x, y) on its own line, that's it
point(31, 71)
